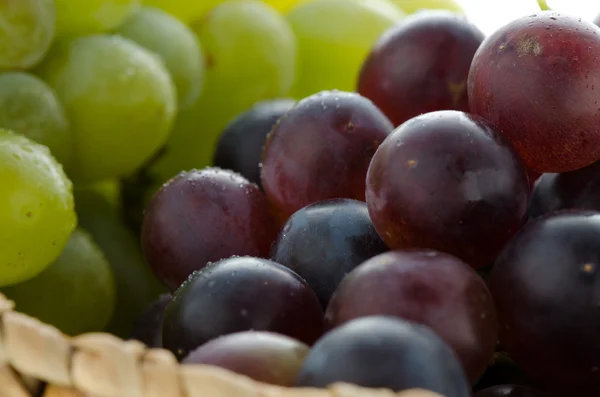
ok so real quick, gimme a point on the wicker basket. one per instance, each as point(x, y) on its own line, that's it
point(38, 360)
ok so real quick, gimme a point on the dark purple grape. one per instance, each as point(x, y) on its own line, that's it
point(546, 286)
point(510, 391)
point(324, 241)
point(241, 294)
point(241, 144)
point(421, 65)
point(384, 352)
point(569, 190)
point(147, 328)
point(321, 150)
point(429, 288)
point(263, 356)
point(447, 181)
point(503, 371)
point(205, 216)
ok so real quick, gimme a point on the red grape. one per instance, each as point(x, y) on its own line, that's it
point(204, 216)
point(241, 294)
point(321, 150)
point(263, 356)
point(535, 80)
point(384, 352)
point(570, 190)
point(427, 287)
point(447, 181)
point(547, 292)
point(421, 65)
point(324, 241)
point(241, 144)
point(509, 391)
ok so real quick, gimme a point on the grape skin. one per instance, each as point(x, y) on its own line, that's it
point(119, 98)
point(263, 356)
point(30, 107)
point(175, 43)
point(185, 10)
point(76, 293)
point(78, 18)
point(36, 208)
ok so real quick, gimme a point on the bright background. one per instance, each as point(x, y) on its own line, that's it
point(489, 15)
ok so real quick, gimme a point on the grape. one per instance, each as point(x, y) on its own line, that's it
point(535, 80)
point(447, 181)
point(36, 208)
point(240, 146)
point(570, 190)
point(334, 37)
point(412, 6)
point(204, 216)
point(502, 371)
point(384, 352)
point(120, 101)
point(325, 241)
point(27, 32)
point(136, 285)
point(546, 291)
point(285, 6)
point(76, 17)
point(175, 43)
point(263, 356)
point(250, 55)
point(147, 328)
point(30, 107)
point(75, 293)
point(321, 149)
point(509, 391)
point(427, 287)
point(186, 10)
point(241, 294)
point(421, 66)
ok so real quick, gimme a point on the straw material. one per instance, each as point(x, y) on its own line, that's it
point(38, 360)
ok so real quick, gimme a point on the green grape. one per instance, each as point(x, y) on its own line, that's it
point(334, 38)
point(108, 189)
point(251, 56)
point(285, 5)
point(30, 107)
point(119, 98)
point(186, 10)
point(36, 208)
point(81, 17)
point(411, 6)
point(175, 43)
point(136, 285)
point(76, 293)
point(26, 32)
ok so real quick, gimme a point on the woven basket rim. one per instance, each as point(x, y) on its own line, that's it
point(36, 359)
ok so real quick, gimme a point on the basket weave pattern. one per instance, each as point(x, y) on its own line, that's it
point(38, 360)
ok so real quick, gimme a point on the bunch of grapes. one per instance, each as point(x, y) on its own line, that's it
point(308, 192)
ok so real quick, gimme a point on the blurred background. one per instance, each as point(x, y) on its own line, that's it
point(489, 15)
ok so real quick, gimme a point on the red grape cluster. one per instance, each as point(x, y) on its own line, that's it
point(358, 259)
